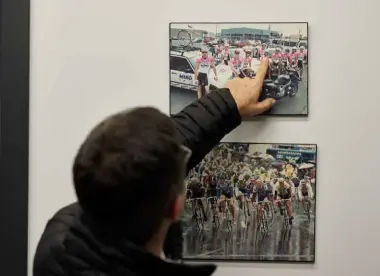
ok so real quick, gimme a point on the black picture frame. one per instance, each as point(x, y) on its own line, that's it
point(14, 136)
point(236, 260)
point(266, 114)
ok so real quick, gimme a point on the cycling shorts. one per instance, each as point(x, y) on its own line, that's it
point(212, 192)
point(300, 64)
point(202, 79)
point(305, 194)
point(227, 194)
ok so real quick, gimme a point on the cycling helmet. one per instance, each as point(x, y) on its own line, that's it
point(278, 49)
point(294, 48)
point(281, 180)
point(302, 47)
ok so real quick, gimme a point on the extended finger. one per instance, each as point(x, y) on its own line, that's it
point(262, 71)
point(263, 106)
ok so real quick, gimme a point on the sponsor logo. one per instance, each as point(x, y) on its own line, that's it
point(186, 77)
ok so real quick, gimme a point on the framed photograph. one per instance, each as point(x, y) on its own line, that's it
point(204, 56)
point(252, 202)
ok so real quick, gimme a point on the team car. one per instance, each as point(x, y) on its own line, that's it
point(182, 67)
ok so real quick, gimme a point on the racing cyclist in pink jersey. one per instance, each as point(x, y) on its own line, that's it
point(293, 57)
point(235, 64)
point(202, 67)
point(275, 64)
point(285, 60)
point(264, 55)
point(262, 50)
point(219, 47)
point(246, 66)
point(219, 56)
point(226, 54)
point(302, 56)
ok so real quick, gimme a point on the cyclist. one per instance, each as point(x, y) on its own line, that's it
point(305, 192)
point(218, 56)
point(226, 54)
point(264, 55)
point(261, 192)
point(202, 69)
point(235, 64)
point(302, 56)
point(285, 59)
point(262, 50)
point(197, 192)
point(227, 195)
point(283, 191)
point(277, 55)
point(241, 192)
point(293, 57)
point(247, 62)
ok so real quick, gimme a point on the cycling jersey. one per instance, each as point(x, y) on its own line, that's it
point(219, 47)
point(293, 57)
point(282, 190)
point(204, 64)
point(261, 193)
point(276, 57)
point(285, 57)
point(246, 63)
point(301, 55)
point(236, 63)
point(218, 57)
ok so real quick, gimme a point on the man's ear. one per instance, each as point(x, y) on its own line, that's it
point(177, 207)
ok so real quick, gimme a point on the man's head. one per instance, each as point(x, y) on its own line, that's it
point(129, 174)
point(204, 53)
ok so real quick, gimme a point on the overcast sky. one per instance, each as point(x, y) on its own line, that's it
point(285, 28)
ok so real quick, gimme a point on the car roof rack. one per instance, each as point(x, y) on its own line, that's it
point(183, 49)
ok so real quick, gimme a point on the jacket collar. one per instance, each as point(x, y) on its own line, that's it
point(85, 250)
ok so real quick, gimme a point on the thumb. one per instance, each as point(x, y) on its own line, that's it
point(263, 106)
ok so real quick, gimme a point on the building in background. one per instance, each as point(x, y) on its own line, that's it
point(246, 34)
point(195, 33)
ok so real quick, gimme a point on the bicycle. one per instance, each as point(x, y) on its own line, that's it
point(212, 201)
point(227, 212)
point(307, 207)
point(262, 215)
point(284, 210)
point(197, 212)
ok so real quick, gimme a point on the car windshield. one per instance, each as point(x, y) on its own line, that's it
point(303, 43)
point(193, 60)
point(290, 43)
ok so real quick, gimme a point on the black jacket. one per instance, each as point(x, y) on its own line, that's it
point(68, 247)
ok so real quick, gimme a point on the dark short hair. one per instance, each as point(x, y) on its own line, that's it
point(128, 170)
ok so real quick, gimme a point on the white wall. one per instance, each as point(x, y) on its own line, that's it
point(84, 66)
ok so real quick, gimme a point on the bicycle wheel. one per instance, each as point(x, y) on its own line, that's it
point(308, 210)
point(184, 38)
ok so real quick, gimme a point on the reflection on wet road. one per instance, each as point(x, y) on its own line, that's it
point(245, 242)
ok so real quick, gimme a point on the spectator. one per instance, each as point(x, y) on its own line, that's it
point(128, 175)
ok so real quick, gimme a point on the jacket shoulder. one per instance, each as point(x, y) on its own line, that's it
point(50, 247)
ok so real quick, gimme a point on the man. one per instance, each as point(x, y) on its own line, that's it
point(129, 177)
point(235, 64)
point(305, 192)
point(302, 57)
point(283, 194)
point(202, 68)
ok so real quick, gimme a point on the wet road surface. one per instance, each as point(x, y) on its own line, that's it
point(179, 98)
point(245, 242)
